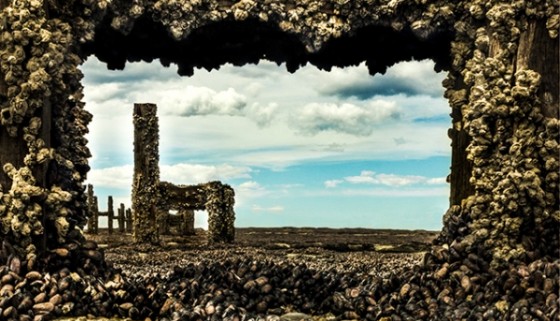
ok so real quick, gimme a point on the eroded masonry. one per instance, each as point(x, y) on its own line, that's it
point(152, 199)
point(502, 85)
point(180, 223)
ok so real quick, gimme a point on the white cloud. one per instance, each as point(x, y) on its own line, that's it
point(365, 177)
point(399, 180)
point(196, 173)
point(112, 177)
point(401, 79)
point(251, 187)
point(333, 183)
point(272, 209)
point(200, 101)
point(369, 177)
point(189, 101)
point(344, 118)
point(247, 191)
point(437, 181)
point(262, 115)
point(182, 173)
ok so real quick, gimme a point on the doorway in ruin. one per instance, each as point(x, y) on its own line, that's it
point(250, 41)
point(316, 148)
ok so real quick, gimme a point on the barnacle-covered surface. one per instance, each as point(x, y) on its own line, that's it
point(152, 199)
point(502, 60)
point(513, 128)
point(214, 197)
point(93, 211)
point(146, 173)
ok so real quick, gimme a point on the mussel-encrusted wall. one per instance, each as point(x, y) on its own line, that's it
point(152, 198)
point(214, 197)
point(501, 56)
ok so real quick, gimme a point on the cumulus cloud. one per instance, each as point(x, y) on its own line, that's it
point(401, 79)
point(261, 115)
point(112, 177)
point(189, 101)
point(346, 118)
point(248, 191)
point(393, 180)
point(251, 187)
point(201, 101)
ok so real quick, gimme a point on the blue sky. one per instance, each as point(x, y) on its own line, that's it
point(313, 148)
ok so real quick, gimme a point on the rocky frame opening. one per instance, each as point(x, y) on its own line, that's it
point(502, 63)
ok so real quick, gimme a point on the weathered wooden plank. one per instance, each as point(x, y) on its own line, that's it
point(121, 218)
point(110, 214)
point(539, 52)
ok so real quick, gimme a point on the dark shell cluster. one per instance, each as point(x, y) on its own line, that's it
point(253, 284)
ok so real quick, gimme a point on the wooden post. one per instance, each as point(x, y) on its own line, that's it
point(121, 218)
point(91, 212)
point(146, 173)
point(128, 224)
point(110, 214)
point(95, 215)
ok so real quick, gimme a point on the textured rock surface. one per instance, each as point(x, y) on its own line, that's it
point(502, 85)
point(152, 199)
point(146, 173)
point(214, 197)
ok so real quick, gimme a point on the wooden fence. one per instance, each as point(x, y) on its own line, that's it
point(181, 223)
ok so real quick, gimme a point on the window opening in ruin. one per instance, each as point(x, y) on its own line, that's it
point(314, 148)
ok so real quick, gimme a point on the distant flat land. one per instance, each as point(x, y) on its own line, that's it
point(343, 239)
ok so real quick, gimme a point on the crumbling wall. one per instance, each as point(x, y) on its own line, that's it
point(152, 199)
point(216, 198)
